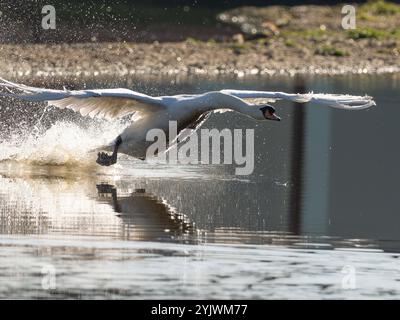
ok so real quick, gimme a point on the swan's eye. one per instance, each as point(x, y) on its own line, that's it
point(269, 108)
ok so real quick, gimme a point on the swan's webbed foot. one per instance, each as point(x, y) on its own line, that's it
point(104, 159)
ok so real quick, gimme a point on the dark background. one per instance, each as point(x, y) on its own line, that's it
point(124, 20)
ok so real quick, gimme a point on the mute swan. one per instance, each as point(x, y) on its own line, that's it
point(189, 111)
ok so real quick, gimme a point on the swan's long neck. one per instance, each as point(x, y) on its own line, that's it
point(218, 100)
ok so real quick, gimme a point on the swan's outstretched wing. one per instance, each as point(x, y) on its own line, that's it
point(100, 103)
point(339, 101)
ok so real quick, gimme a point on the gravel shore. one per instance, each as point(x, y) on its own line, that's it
point(93, 59)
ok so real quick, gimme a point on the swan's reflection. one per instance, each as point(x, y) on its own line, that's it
point(144, 216)
point(50, 203)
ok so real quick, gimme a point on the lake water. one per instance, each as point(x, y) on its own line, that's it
point(318, 218)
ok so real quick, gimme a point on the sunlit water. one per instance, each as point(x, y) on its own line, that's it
point(318, 218)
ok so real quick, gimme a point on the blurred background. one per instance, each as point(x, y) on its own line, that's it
point(125, 20)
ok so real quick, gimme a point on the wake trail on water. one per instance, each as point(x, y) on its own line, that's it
point(63, 144)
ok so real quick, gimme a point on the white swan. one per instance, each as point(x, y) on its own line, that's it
point(190, 111)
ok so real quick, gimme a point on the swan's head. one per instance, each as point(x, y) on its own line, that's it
point(268, 113)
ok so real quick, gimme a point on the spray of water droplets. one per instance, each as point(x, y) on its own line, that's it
point(64, 143)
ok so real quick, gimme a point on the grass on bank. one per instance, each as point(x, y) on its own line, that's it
point(327, 50)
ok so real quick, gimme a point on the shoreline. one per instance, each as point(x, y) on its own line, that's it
point(167, 59)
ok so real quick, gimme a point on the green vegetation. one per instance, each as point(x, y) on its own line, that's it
point(331, 51)
point(289, 43)
point(373, 33)
point(374, 14)
point(379, 7)
point(373, 11)
point(239, 48)
point(314, 33)
point(195, 41)
point(262, 41)
point(192, 40)
point(364, 33)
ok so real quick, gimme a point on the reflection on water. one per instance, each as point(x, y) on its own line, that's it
point(127, 230)
point(144, 217)
point(60, 202)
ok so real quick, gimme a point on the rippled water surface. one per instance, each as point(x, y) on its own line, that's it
point(318, 218)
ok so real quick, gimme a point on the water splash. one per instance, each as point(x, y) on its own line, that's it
point(64, 143)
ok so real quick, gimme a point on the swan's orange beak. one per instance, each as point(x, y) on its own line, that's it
point(271, 116)
point(269, 113)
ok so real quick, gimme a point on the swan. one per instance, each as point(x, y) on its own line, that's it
point(188, 110)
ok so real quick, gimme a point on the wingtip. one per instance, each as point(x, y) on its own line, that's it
point(373, 103)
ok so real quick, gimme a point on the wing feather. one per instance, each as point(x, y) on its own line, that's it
point(339, 101)
point(100, 103)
